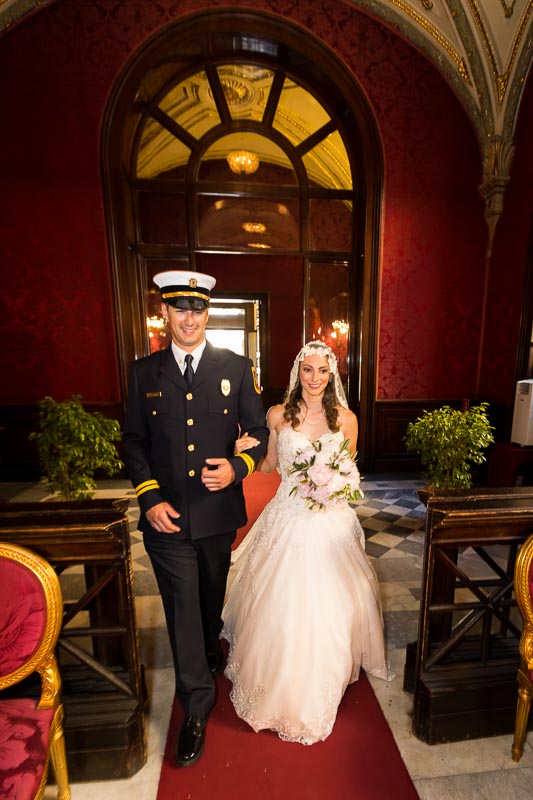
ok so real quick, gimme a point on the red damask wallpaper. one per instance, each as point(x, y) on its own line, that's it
point(57, 327)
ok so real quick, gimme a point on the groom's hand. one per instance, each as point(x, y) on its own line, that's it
point(219, 476)
point(162, 518)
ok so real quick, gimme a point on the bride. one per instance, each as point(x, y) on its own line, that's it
point(302, 612)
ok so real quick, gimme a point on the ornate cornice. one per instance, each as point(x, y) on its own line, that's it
point(501, 79)
point(465, 76)
point(13, 11)
point(434, 32)
point(508, 8)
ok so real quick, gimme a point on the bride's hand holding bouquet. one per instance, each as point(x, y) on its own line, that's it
point(325, 480)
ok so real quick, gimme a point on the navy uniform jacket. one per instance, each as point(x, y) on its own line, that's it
point(169, 432)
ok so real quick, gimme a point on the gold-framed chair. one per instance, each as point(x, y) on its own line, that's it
point(523, 586)
point(31, 731)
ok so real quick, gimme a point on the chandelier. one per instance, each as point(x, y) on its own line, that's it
point(253, 227)
point(242, 161)
point(340, 328)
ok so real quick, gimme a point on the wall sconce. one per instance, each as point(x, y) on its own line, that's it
point(242, 162)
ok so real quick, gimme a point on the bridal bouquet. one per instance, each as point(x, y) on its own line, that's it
point(325, 479)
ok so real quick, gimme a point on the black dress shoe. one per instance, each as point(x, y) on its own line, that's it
point(215, 660)
point(191, 741)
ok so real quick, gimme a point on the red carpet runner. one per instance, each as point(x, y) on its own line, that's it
point(359, 760)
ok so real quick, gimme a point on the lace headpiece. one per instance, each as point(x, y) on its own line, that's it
point(316, 348)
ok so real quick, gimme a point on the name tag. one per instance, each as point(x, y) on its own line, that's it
point(154, 394)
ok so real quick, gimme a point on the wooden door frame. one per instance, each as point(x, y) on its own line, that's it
point(185, 40)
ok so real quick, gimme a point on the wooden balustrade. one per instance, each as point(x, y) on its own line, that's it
point(462, 669)
point(98, 651)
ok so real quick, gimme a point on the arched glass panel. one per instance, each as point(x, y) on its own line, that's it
point(298, 114)
point(174, 201)
point(328, 308)
point(328, 164)
point(248, 223)
point(330, 225)
point(247, 156)
point(190, 104)
point(246, 89)
point(162, 217)
point(160, 154)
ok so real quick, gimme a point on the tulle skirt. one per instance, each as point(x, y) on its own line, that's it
point(302, 616)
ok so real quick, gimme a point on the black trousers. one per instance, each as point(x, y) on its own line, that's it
point(191, 576)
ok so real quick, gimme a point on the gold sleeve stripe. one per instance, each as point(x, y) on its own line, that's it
point(256, 384)
point(146, 487)
point(248, 460)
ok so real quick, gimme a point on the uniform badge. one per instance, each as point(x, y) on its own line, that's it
point(256, 384)
point(225, 387)
point(193, 283)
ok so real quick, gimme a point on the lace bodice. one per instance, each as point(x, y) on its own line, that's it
point(291, 441)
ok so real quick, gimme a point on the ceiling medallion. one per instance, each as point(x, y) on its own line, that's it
point(237, 92)
point(242, 161)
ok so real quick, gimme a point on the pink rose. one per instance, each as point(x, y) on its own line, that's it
point(321, 495)
point(337, 483)
point(322, 458)
point(306, 454)
point(319, 474)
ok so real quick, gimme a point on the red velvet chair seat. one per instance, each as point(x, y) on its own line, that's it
point(31, 730)
point(22, 616)
point(24, 735)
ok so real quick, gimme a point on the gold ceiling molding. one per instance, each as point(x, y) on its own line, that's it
point(237, 91)
point(508, 9)
point(435, 34)
point(14, 10)
point(501, 78)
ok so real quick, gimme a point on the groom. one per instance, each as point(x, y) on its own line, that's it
point(186, 406)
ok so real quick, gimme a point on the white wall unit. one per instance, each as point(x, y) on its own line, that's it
point(522, 430)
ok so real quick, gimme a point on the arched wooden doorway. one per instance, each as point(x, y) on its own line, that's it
point(302, 225)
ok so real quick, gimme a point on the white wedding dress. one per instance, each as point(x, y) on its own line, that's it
point(302, 612)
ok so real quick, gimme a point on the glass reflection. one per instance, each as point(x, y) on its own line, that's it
point(191, 105)
point(328, 165)
point(299, 114)
point(327, 309)
point(246, 89)
point(160, 154)
point(271, 164)
point(247, 223)
point(331, 224)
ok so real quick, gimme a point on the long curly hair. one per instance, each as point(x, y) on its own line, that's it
point(292, 400)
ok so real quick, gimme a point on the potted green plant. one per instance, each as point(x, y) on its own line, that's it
point(450, 442)
point(72, 444)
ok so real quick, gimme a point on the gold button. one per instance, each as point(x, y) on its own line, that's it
point(154, 413)
point(188, 396)
point(190, 448)
point(190, 422)
point(191, 473)
point(225, 411)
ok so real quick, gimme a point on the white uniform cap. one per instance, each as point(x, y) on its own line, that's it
point(176, 284)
